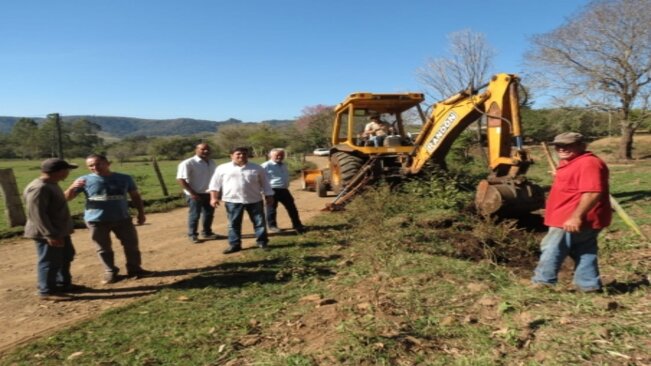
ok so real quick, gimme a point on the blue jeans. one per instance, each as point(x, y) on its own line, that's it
point(53, 265)
point(377, 140)
point(581, 246)
point(196, 209)
point(235, 214)
point(283, 196)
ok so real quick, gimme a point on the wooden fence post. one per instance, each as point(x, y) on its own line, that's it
point(160, 176)
point(13, 202)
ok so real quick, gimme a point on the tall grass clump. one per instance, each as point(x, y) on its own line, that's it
point(435, 214)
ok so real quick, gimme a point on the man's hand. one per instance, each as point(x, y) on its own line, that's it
point(71, 192)
point(587, 202)
point(269, 200)
point(214, 202)
point(573, 224)
point(78, 183)
point(141, 218)
point(58, 243)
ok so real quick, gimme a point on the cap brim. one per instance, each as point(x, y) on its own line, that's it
point(562, 143)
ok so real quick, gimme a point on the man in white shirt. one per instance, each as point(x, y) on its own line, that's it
point(242, 186)
point(193, 176)
point(279, 179)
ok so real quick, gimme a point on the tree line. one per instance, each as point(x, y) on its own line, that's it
point(29, 139)
point(312, 129)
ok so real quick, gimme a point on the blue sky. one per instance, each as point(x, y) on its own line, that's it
point(247, 59)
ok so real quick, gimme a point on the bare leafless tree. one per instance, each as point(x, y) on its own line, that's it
point(601, 59)
point(467, 63)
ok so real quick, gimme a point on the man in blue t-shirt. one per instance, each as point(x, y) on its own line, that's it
point(107, 210)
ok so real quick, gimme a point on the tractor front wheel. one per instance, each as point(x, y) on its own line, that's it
point(343, 167)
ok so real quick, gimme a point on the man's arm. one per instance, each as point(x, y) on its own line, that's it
point(368, 130)
point(267, 191)
point(182, 179)
point(185, 185)
point(587, 202)
point(74, 189)
point(215, 197)
point(137, 202)
point(215, 188)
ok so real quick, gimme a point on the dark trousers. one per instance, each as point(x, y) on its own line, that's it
point(198, 208)
point(125, 231)
point(283, 196)
point(53, 266)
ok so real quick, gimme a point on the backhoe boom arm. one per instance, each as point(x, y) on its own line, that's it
point(449, 118)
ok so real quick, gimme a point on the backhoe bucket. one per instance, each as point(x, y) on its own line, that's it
point(309, 178)
point(508, 198)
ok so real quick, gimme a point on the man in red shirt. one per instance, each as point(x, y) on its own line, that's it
point(578, 207)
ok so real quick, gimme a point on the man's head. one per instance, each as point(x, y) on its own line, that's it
point(375, 117)
point(277, 155)
point(569, 145)
point(56, 168)
point(240, 155)
point(203, 151)
point(98, 164)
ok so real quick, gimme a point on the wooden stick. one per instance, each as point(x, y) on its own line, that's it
point(615, 205)
point(550, 159)
point(160, 176)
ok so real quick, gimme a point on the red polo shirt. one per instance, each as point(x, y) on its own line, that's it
point(585, 173)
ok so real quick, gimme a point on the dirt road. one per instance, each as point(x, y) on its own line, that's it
point(165, 249)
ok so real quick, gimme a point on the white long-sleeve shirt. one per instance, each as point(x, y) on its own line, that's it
point(240, 184)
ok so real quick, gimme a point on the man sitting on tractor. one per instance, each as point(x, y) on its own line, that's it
point(376, 130)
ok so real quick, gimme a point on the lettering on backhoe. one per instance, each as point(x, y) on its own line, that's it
point(445, 126)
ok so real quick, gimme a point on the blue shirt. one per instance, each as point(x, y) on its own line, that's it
point(278, 174)
point(107, 198)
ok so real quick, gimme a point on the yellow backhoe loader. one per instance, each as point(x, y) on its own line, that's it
point(356, 162)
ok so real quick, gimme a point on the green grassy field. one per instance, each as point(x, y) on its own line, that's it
point(434, 285)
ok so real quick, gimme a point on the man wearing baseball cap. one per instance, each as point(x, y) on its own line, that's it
point(49, 224)
point(577, 208)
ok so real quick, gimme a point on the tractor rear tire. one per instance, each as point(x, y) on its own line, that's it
point(343, 167)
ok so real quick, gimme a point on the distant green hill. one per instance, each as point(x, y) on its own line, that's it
point(126, 126)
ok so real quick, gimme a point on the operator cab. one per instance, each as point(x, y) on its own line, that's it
point(399, 113)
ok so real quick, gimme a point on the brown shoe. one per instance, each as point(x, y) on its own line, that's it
point(212, 236)
point(140, 273)
point(230, 250)
point(55, 297)
point(72, 288)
